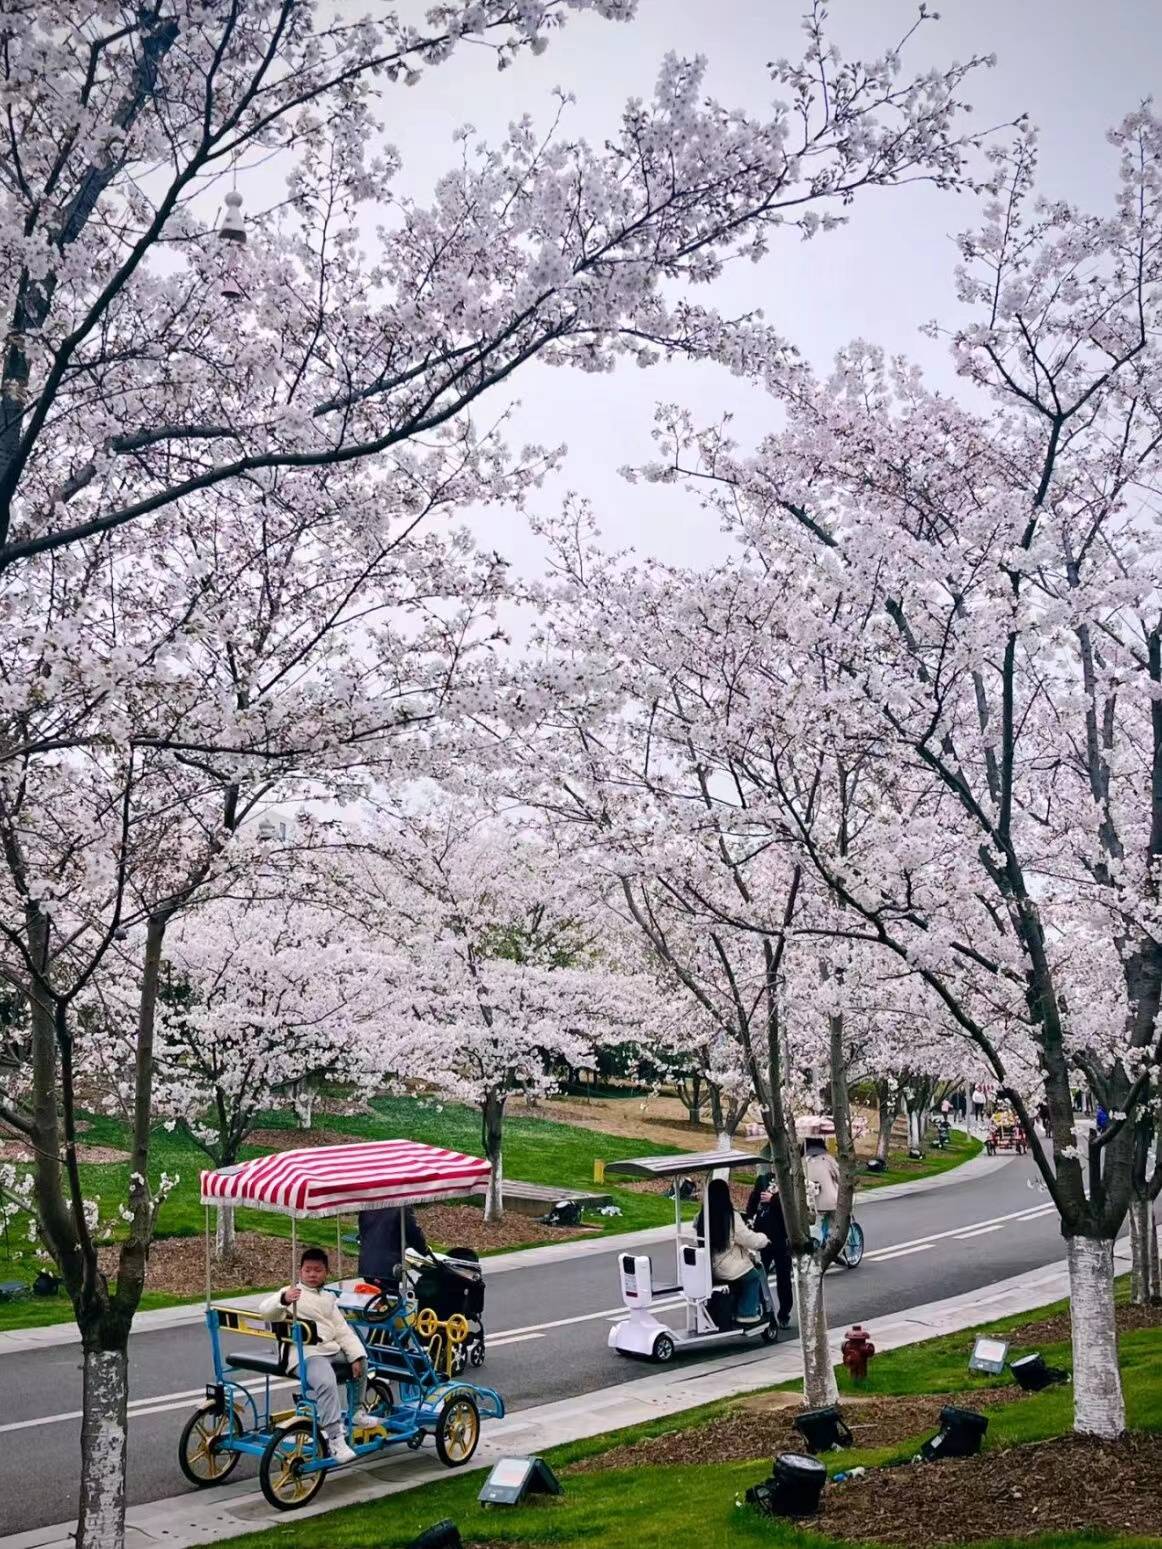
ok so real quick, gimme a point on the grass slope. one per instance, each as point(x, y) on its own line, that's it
point(654, 1508)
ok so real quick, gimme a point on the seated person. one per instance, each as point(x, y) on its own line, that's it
point(337, 1341)
point(381, 1237)
point(731, 1244)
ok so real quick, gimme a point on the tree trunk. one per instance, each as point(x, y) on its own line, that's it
point(101, 1523)
point(224, 1234)
point(887, 1117)
point(304, 1106)
point(493, 1115)
point(1098, 1406)
point(723, 1140)
point(916, 1127)
point(1145, 1276)
point(819, 1387)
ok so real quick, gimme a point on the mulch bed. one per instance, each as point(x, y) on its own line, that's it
point(1069, 1485)
point(177, 1265)
point(15, 1151)
point(761, 1427)
point(1056, 1330)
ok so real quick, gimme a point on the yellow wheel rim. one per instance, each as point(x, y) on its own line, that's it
point(204, 1458)
point(285, 1479)
point(461, 1430)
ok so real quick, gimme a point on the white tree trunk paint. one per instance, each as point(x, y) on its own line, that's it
point(224, 1233)
point(101, 1522)
point(819, 1387)
point(304, 1103)
point(722, 1140)
point(1145, 1276)
point(915, 1129)
point(494, 1198)
point(1098, 1406)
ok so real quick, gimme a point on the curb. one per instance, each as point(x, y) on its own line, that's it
point(185, 1521)
point(17, 1341)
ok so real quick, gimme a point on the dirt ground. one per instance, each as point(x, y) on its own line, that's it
point(762, 1426)
point(1066, 1485)
point(1055, 1330)
point(664, 1120)
point(1072, 1484)
point(13, 1151)
point(177, 1265)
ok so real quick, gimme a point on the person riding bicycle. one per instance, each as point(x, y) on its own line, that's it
point(822, 1174)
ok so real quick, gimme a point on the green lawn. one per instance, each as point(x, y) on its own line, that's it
point(654, 1507)
point(902, 1168)
point(536, 1151)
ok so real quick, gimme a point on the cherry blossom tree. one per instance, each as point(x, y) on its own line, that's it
point(147, 360)
point(256, 999)
point(624, 733)
point(1003, 688)
point(493, 990)
point(172, 404)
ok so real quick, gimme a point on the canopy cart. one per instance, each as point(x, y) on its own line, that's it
point(406, 1394)
point(708, 1312)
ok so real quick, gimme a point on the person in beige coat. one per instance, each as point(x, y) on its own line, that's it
point(337, 1341)
point(732, 1244)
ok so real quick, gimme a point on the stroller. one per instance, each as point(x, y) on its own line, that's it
point(452, 1283)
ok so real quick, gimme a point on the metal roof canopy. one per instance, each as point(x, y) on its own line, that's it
point(682, 1166)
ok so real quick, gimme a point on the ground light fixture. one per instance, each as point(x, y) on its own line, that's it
point(988, 1356)
point(822, 1429)
point(960, 1435)
point(794, 1488)
point(1032, 1374)
point(512, 1479)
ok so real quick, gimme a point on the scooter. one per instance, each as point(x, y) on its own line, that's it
point(709, 1317)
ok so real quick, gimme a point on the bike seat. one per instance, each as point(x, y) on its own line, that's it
point(266, 1365)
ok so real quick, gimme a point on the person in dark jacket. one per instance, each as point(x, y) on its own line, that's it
point(764, 1211)
point(381, 1233)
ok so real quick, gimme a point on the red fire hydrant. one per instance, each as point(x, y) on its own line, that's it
point(857, 1350)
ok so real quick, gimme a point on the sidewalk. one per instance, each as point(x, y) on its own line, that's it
point(14, 1341)
point(191, 1519)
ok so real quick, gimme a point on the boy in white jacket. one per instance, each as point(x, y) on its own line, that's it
point(337, 1341)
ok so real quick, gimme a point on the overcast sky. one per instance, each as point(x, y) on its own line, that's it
point(1075, 66)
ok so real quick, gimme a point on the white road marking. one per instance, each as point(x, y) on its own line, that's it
point(980, 1231)
point(900, 1253)
point(163, 1402)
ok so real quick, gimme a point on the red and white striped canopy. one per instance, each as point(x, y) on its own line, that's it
point(336, 1180)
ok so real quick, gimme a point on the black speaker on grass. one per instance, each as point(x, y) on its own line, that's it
point(444, 1535)
point(960, 1435)
point(1032, 1374)
point(822, 1429)
point(794, 1488)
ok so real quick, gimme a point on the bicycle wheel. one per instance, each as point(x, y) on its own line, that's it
point(201, 1456)
point(853, 1247)
point(280, 1473)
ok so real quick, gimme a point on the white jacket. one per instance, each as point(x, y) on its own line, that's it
point(734, 1261)
point(322, 1308)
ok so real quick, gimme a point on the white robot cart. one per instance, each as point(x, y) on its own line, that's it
point(643, 1333)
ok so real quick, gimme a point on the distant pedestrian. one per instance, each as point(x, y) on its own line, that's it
point(946, 1107)
point(978, 1102)
point(1101, 1119)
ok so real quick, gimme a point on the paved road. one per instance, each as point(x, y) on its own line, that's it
point(547, 1330)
